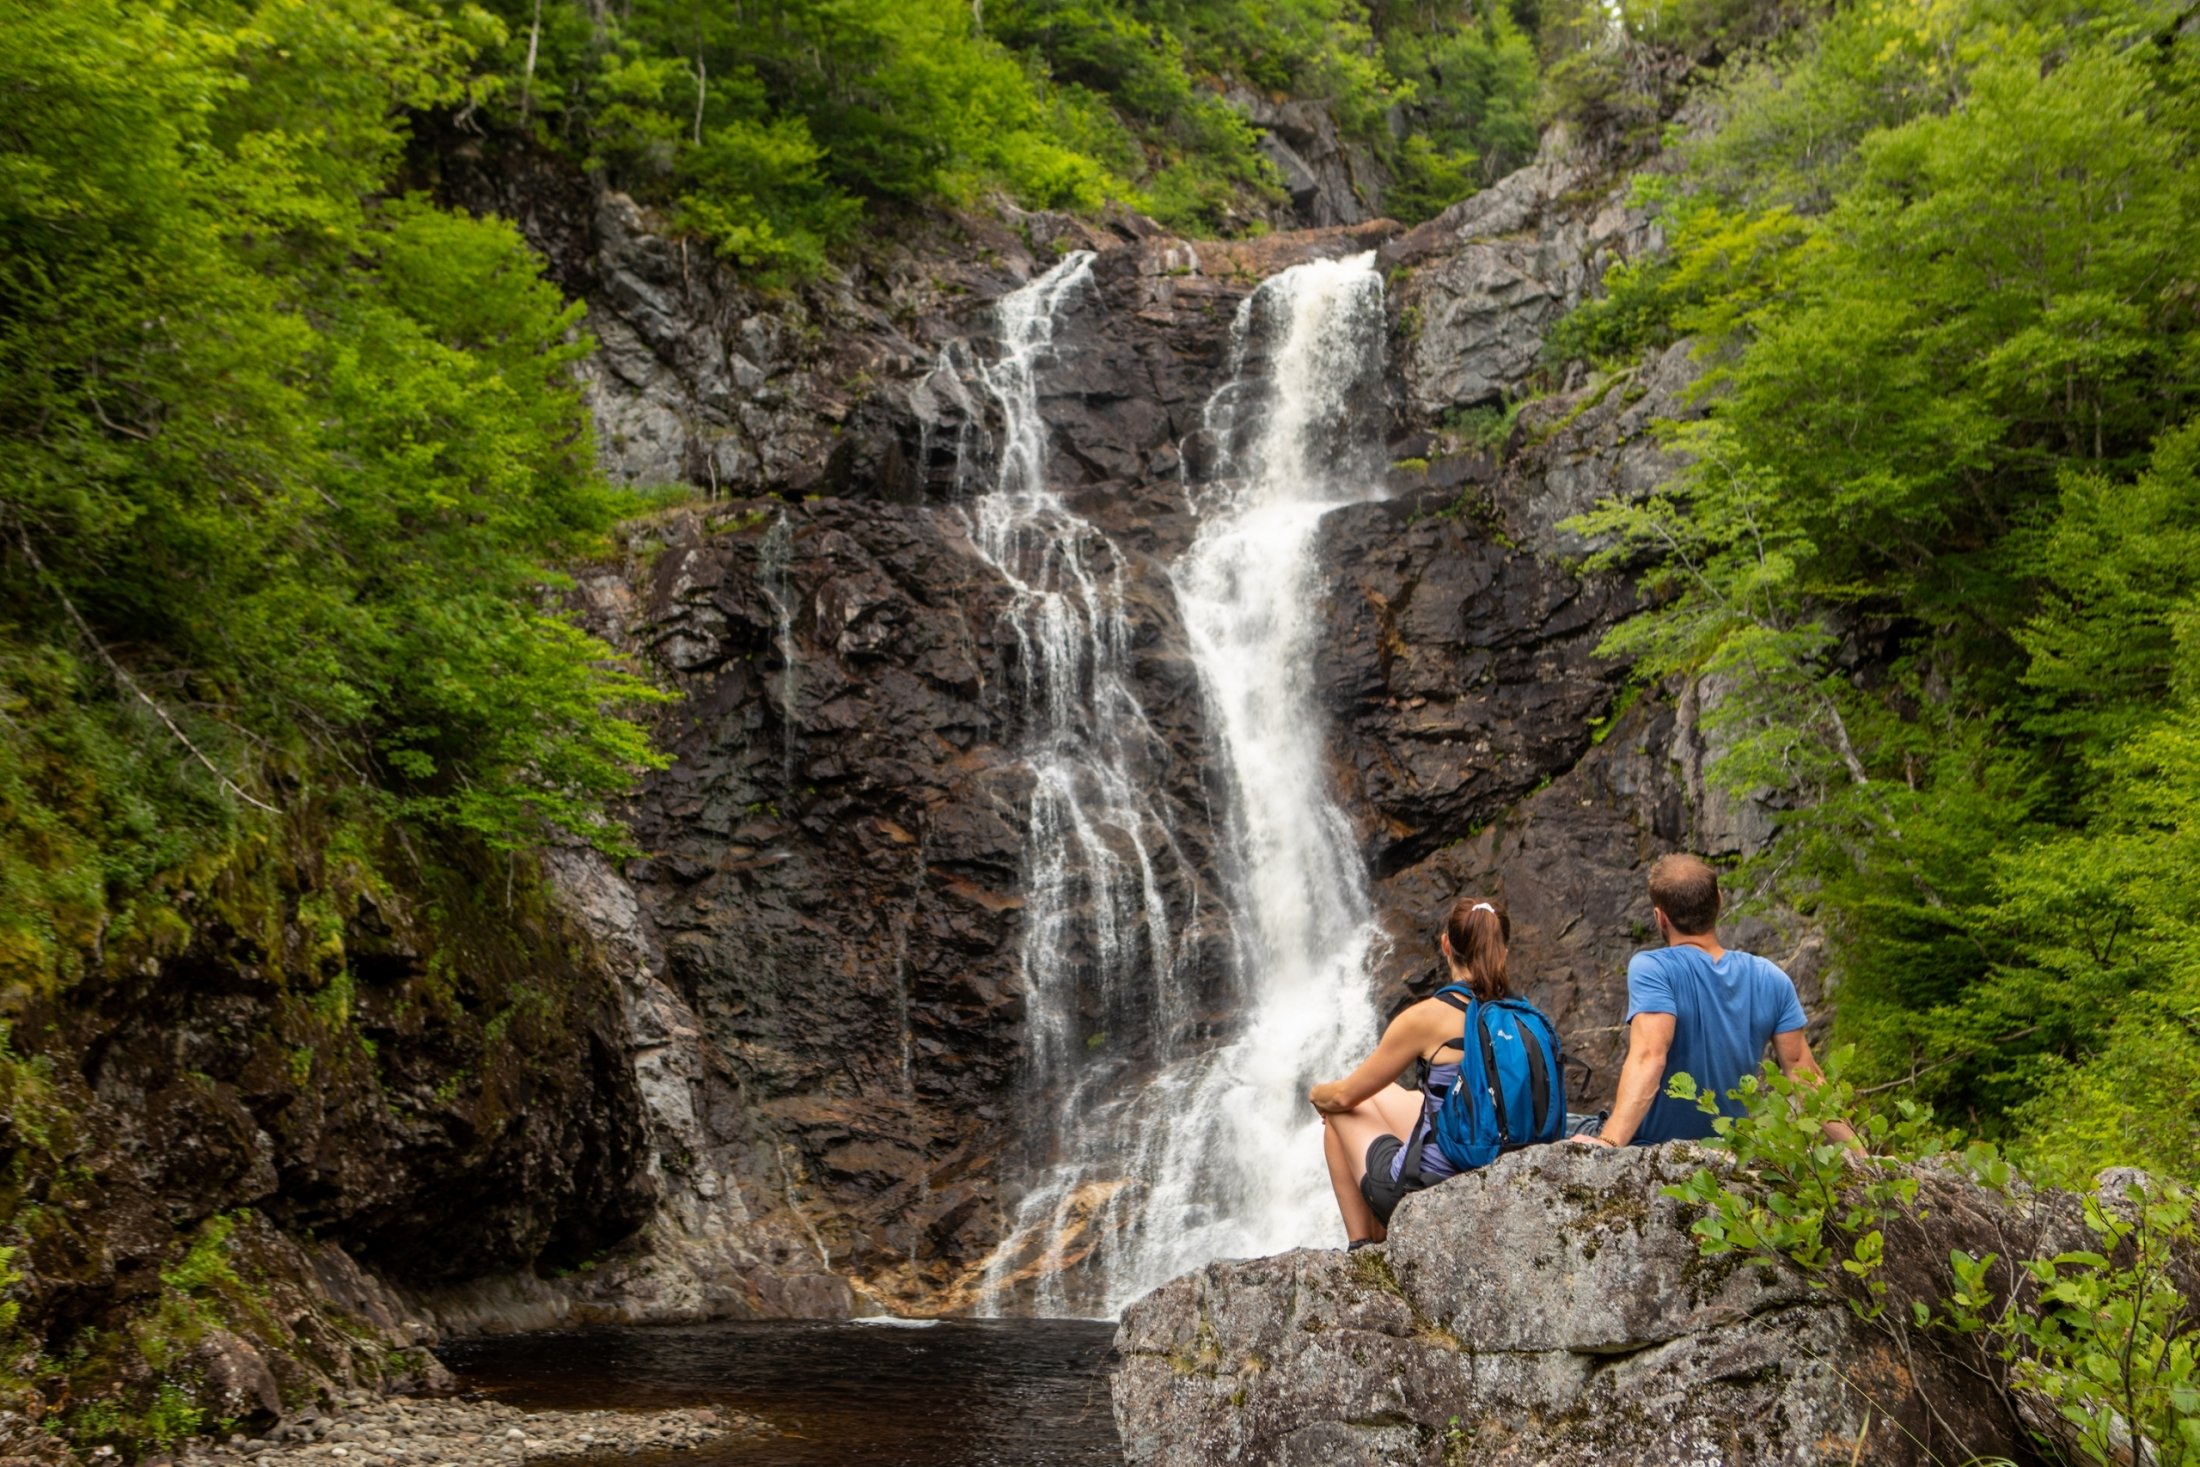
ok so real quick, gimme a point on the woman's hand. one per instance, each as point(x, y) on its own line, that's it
point(1328, 1098)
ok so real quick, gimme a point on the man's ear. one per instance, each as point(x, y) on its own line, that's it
point(1665, 923)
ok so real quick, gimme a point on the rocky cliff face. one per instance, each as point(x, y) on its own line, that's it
point(1553, 1309)
point(779, 1065)
point(235, 1148)
point(827, 924)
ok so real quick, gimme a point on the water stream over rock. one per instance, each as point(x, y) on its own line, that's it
point(1238, 1167)
point(1099, 939)
point(1216, 1154)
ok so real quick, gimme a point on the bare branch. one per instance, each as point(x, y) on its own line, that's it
point(23, 539)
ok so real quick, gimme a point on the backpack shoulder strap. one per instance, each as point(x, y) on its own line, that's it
point(1461, 998)
point(1540, 1077)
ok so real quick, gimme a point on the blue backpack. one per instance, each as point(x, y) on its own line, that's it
point(1511, 1090)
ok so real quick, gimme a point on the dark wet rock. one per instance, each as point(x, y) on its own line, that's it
point(834, 879)
point(331, 1097)
point(1603, 441)
point(243, 1385)
point(1462, 670)
point(823, 997)
point(1553, 1309)
point(1570, 862)
point(1328, 181)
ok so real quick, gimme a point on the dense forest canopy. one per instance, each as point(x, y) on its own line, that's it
point(1937, 536)
point(772, 127)
point(287, 459)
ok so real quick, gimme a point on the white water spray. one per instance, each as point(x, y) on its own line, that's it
point(1218, 1154)
point(1099, 945)
point(1238, 1169)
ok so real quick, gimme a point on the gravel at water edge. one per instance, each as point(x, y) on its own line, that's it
point(441, 1432)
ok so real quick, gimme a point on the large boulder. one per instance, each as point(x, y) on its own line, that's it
point(1553, 1309)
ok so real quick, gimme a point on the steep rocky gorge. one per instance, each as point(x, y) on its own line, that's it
point(782, 1065)
point(822, 945)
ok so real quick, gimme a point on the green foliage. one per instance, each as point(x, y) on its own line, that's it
point(1720, 268)
point(1467, 84)
point(2103, 1336)
point(2103, 933)
point(1429, 178)
point(204, 1267)
point(1946, 315)
point(1615, 67)
point(771, 132)
point(768, 131)
point(1486, 428)
point(286, 459)
point(1804, 1199)
point(1182, 151)
point(2112, 1343)
point(135, 1387)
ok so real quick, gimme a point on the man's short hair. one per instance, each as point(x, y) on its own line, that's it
point(1686, 889)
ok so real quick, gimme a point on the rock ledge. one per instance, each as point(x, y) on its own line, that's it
point(1552, 1310)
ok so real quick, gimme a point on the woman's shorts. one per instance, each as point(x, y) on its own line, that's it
point(1382, 1193)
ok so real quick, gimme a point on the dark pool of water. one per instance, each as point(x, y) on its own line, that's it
point(959, 1393)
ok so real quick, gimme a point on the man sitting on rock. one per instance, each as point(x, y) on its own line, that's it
point(1696, 1008)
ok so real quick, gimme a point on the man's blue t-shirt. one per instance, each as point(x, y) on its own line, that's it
point(1725, 1012)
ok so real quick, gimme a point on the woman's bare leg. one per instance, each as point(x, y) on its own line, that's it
point(1344, 1179)
point(1346, 1136)
point(1400, 1107)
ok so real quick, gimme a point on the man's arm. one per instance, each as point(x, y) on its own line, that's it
point(1802, 1067)
point(1649, 1040)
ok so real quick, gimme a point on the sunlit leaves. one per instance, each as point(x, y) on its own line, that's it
point(284, 460)
point(2103, 1335)
point(1931, 551)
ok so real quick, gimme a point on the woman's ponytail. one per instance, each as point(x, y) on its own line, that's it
point(1480, 931)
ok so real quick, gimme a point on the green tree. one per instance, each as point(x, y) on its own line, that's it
point(1934, 531)
point(284, 464)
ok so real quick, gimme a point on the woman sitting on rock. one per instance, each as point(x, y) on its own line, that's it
point(1369, 1120)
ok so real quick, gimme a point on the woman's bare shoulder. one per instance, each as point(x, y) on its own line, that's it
point(1431, 1018)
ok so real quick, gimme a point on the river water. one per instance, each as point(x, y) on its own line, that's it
point(951, 1393)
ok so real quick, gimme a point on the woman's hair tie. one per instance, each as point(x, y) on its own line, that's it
point(1483, 907)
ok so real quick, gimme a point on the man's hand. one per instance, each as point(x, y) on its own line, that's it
point(1801, 1065)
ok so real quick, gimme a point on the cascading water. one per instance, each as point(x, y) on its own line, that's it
point(774, 561)
point(1238, 1165)
point(1217, 1154)
point(1099, 940)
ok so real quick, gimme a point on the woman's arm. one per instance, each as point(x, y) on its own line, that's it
point(1426, 1023)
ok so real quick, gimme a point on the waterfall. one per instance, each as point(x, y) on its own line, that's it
point(1234, 1164)
point(1099, 948)
point(775, 578)
point(1217, 1154)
